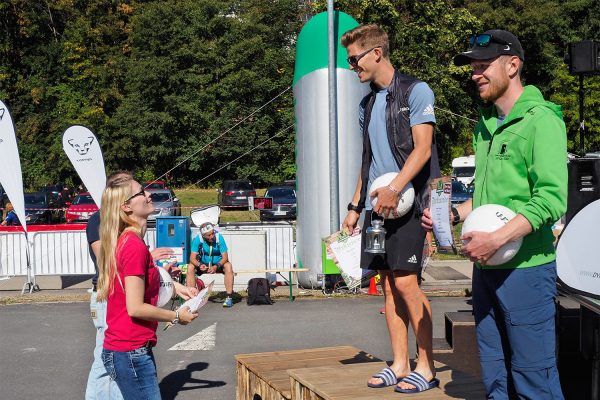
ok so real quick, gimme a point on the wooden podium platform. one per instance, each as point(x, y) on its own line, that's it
point(336, 373)
point(264, 376)
point(349, 382)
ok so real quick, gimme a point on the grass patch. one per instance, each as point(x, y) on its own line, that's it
point(194, 198)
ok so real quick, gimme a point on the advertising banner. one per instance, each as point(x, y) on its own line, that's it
point(83, 149)
point(10, 164)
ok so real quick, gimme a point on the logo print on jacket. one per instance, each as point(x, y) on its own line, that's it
point(503, 153)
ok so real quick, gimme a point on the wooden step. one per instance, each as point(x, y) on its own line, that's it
point(459, 348)
point(441, 345)
point(263, 376)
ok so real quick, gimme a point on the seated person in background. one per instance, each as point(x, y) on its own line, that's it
point(209, 256)
point(11, 216)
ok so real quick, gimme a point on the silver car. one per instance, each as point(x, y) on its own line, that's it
point(165, 203)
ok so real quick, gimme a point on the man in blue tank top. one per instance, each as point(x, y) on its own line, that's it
point(397, 121)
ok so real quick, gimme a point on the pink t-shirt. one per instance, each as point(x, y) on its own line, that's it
point(125, 333)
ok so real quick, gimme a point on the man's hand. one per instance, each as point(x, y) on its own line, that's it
point(203, 267)
point(161, 253)
point(480, 246)
point(426, 221)
point(387, 201)
point(212, 269)
point(350, 222)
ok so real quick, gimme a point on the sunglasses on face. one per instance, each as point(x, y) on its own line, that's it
point(140, 193)
point(353, 60)
point(484, 40)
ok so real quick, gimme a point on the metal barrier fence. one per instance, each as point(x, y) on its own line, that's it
point(67, 252)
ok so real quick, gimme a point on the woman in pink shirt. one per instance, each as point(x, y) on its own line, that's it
point(130, 281)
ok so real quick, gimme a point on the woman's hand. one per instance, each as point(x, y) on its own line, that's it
point(161, 253)
point(185, 292)
point(186, 316)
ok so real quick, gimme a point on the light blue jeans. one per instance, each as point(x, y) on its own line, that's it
point(134, 371)
point(99, 384)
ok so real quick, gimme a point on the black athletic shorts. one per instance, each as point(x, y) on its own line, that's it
point(404, 242)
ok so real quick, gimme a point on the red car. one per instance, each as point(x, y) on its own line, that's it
point(81, 209)
point(155, 185)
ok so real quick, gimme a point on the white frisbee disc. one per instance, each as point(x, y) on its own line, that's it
point(165, 291)
point(488, 218)
point(407, 195)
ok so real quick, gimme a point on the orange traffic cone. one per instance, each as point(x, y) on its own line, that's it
point(373, 288)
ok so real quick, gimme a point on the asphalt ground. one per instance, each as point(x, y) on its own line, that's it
point(46, 348)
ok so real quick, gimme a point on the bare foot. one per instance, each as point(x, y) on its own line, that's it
point(399, 375)
point(427, 374)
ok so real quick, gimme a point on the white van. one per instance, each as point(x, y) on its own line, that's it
point(463, 169)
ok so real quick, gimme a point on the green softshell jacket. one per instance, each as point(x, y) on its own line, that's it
point(522, 164)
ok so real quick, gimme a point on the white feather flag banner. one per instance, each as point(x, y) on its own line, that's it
point(10, 164)
point(83, 149)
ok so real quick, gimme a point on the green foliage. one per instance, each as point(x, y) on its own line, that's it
point(424, 37)
point(159, 81)
point(545, 28)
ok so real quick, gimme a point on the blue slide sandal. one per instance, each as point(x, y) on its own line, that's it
point(419, 382)
point(387, 376)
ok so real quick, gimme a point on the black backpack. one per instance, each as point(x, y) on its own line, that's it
point(259, 291)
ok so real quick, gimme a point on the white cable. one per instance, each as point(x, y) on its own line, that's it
point(458, 115)
point(231, 162)
point(227, 131)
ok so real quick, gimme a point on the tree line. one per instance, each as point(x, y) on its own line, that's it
point(160, 80)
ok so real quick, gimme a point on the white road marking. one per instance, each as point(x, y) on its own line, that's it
point(203, 340)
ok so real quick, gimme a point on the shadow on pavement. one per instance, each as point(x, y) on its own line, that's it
point(182, 380)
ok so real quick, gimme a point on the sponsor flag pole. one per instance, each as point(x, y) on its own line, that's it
point(11, 179)
point(83, 150)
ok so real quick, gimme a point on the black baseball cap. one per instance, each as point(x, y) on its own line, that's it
point(490, 44)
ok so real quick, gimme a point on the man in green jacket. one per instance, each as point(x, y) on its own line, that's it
point(520, 149)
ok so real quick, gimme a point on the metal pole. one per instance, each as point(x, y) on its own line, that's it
point(581, 119)
point(334, 205)
point(30, 285)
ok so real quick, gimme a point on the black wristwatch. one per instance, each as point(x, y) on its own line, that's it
point(352, 207)
point(455, 216)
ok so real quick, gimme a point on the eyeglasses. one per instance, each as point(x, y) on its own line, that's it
point(353, 60)
point(140, 193)
point(484, 40)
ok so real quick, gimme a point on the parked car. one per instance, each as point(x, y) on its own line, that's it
point(284, 203)
point(460, 193)
point(235, 193)
point(155, 185)
point(42, 208)
point(61, 191)
point(81, 209)
point(165, 203)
